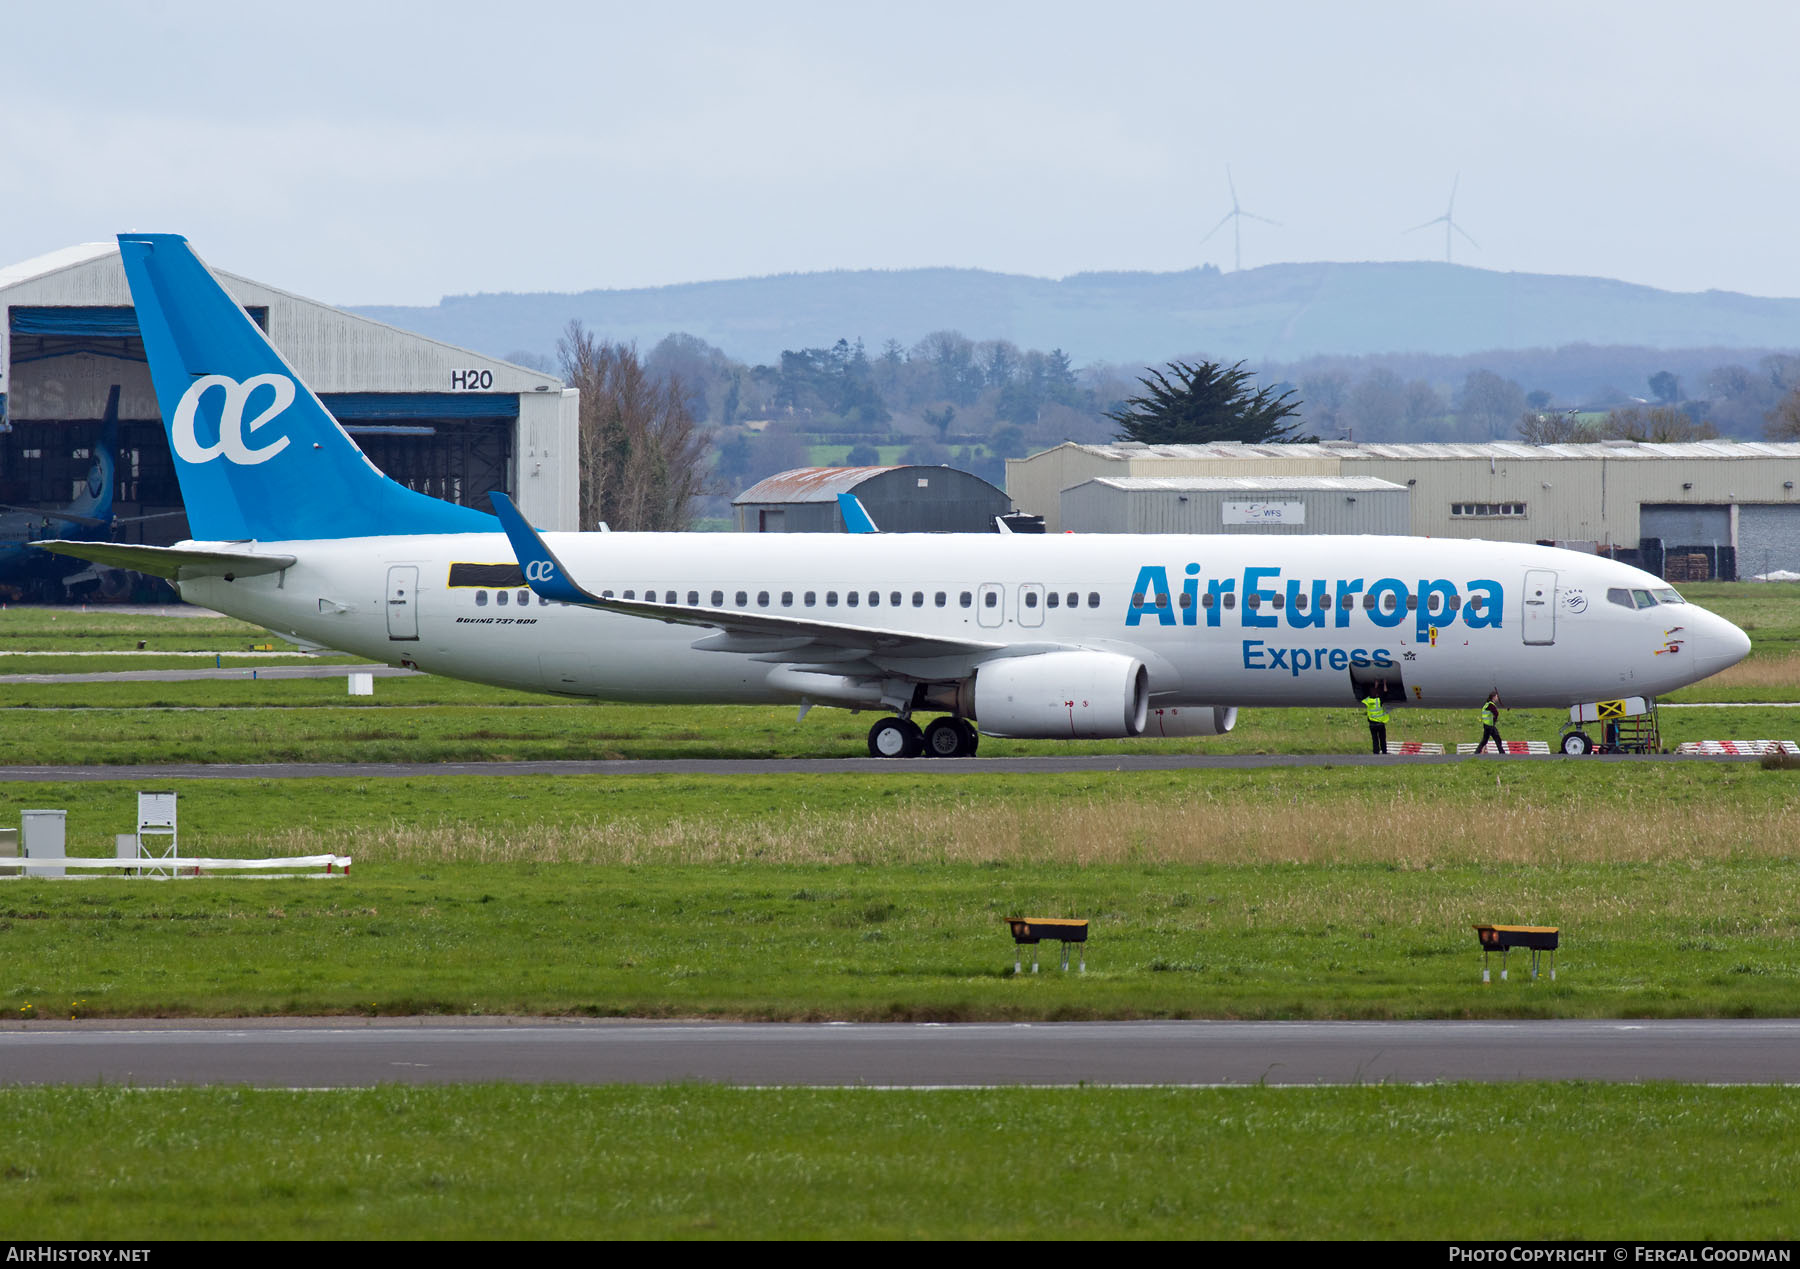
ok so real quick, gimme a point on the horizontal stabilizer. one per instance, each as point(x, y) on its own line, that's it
point(175, 563)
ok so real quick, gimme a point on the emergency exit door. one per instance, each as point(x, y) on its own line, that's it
point(403, 602)
point(1539, 623)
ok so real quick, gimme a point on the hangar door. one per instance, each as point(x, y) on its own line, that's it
point(1768, 539)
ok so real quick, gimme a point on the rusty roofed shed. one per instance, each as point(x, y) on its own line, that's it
point(898, 500)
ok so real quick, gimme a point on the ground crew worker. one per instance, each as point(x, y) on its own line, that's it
point(1490, 725)
point(1377, 719)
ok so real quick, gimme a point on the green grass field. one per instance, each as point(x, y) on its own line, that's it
point(1513, 1162)
point(1322, 892)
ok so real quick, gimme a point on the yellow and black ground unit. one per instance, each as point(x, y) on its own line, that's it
point(1034, 930)
point(1503, 938)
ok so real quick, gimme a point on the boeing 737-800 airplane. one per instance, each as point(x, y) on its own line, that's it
point(1028, 635)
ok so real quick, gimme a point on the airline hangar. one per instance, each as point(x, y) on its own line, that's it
point(439, 419)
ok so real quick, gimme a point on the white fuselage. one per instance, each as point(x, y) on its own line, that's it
point(1546, 632)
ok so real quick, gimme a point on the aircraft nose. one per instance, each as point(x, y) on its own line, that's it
point(1720, 646)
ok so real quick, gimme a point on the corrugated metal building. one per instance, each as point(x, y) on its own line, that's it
point(1728, 507)
point(1236, 504)
point(898, 500)
point(439, 419)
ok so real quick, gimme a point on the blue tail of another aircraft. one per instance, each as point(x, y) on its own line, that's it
point(258, 456)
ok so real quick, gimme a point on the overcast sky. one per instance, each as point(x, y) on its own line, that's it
point(378, 152)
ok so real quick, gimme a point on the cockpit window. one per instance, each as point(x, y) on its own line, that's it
point(1668, 597)
point(1643, 599)
point(1621, 597)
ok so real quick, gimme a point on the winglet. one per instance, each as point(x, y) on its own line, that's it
point(856, 519)
point(544, 573)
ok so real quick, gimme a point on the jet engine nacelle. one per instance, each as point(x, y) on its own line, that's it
point(1191, 720)
point(1061, 695)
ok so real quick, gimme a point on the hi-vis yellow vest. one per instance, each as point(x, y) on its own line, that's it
point(1372, 704)
point(1490, 714)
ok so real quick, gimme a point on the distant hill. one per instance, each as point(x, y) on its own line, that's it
point(1281, 312)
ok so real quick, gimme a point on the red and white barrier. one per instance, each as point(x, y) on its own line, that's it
point(1737, 748)
point(1416, 748)
point(1519, 747)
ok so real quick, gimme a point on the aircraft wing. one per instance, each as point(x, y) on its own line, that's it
point(172, 562)
point(768, 636)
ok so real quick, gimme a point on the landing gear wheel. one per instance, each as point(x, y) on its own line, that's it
point(895, 738)
point(1576, 743)
point(951, 738)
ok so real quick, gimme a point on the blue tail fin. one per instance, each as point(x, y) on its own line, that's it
point(256, 453)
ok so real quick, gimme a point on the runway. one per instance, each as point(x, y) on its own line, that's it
point(1040, 765)
point(333, 1053)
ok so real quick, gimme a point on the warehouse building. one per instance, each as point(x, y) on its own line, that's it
point(438, 419)
point(1689, 511)
point(898, 500)
point(1237, 504)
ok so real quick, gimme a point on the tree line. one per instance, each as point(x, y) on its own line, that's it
point(671, 435)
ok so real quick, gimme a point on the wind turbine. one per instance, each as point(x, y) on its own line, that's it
point(1448, 221)
point(1236, 215)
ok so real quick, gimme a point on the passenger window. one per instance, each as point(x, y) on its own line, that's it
point(718, 599)
point(831, 599)
point(524, 599)
point(852, 598)
point(1162, 600)
point(742, 599)
point(500, 598)
point(1230, 600)
point(1276, 601)
point(991, 599)
point(1456, 603)
point(966, 599)
point(1206, 601)
point(762, 599)
point(1412, 603)
point(1031, 599)
point(918, 599)
point(1299, 603)
point(1434, 603)
point(894, 599)
point(1477, 603)
point(543, 601)
point(1347, 602)
point(1187, 600)
point(787, 599)
point(1075, 600)
point(811, 598)
point(1093, 599)
point(668, 597)
point(1137, 600)
point(1052, 599)
point(1369, 603)
point(940, 599)
point(606, 594)
point(874, 599)
point(1253, 601)
point(481, 599)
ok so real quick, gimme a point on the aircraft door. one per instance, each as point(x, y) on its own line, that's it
point(990, 604)
point(1031, 604)
point(403, 602)
point(1539, 623)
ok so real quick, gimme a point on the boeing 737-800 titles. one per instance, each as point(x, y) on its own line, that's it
point(1038, 636)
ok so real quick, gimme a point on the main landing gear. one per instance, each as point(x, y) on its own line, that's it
point(944, 738)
